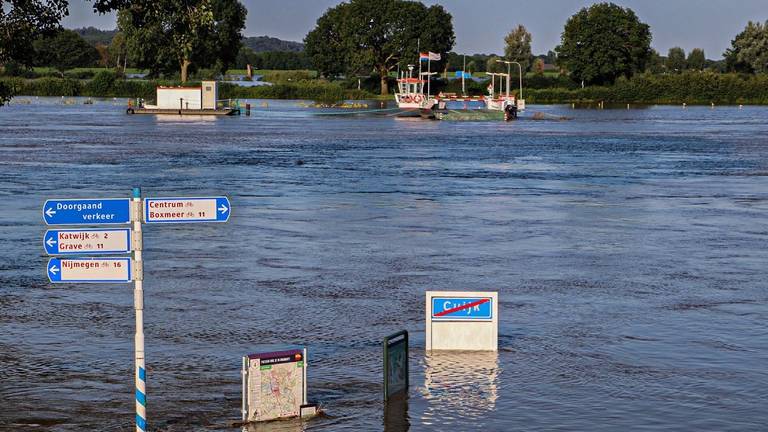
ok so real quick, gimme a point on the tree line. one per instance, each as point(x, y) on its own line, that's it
point(599, 44)
point(358, 38)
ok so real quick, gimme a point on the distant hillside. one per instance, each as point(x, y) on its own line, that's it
point(95, 36)
point(266, 43)
point(258, 44)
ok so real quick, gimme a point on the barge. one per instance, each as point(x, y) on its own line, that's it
point(199, 100)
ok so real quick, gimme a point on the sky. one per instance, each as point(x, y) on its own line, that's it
point(480, 25)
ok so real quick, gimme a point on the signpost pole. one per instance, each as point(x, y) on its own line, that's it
point(138, 305)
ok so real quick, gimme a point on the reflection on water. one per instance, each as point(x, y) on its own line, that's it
point(459, 385)
point(396, 417)
point(282, 425)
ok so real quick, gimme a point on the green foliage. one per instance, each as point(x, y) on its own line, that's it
point(362, 35)
point(656, 63)
point(492, 65)
point(260, 44)
point(676, 62)
point(689, 87)
point(95, 36)
point(13, 68)
point(696, 59)
point(282, 60)
point(749, 50)
point(21, 22)
point(51, 87)
point(118, 50)
point(163, 35)
point(604, 42)
point(284, 77)
point(320, 91)
point(518, 47)
point(103, 83)
point(475, 63)
point(64, 50)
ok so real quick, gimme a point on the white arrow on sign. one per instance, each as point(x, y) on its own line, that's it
point(54, 269)
point(223, 209)
point(50, 212)
point(51, 242)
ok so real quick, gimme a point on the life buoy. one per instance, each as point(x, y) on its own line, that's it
point(418, 98)
point(406, 98)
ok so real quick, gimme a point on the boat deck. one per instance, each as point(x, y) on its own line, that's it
point(218, 112)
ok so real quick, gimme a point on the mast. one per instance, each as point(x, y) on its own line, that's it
point(418, 54)
point(463, 71)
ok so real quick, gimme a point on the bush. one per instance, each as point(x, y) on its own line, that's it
point(79, 74)
point(102, 84)
point(690, 87)
point(314, 90)
point(286, 76)
point(51, 87)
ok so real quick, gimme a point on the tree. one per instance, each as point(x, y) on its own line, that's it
point(518, 47)
point(164, 35)
point(676, 60)
point(655, 64)
point(117, 50)
point(603, 42)
point(551, 57)
point(362, 35)
point(538, 66)
point(492, 65)
point(696, 59)
point(103, 51)
point(64, 50)
point(21, 23)
point(749, 50)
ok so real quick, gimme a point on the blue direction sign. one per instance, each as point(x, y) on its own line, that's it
point(87, 211)
point(186, 210)
point(90, 270)
point(87, 241)
point(463, 309)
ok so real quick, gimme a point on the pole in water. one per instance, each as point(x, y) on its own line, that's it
point(138, 305)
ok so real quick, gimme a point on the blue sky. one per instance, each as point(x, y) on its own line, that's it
point(481, 24)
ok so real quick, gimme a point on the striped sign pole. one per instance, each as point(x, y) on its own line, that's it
point(138, 304)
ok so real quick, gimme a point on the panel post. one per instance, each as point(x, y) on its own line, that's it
point(244, 375)
point(138, 305)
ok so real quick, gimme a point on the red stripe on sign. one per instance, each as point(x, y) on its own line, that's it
point(458, 308)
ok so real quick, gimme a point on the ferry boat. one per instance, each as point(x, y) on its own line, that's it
point(501, 102)
point(410, 95)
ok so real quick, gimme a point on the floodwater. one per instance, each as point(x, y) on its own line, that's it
point(629, 250)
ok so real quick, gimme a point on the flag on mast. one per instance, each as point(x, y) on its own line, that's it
point(433, 56)
point(424, 56)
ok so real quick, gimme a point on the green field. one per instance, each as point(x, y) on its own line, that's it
point(50, 70)
point(311, 73)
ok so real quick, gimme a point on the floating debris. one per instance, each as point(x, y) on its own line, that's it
point(544, 116)
point(470, 115)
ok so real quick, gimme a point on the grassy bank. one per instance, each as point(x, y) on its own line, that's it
point(691, 88)
point(106, 84)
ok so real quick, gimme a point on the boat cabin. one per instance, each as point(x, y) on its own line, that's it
point(188, 98)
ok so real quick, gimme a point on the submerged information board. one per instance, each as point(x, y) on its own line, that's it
point(395, 364)
point(274, 385)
